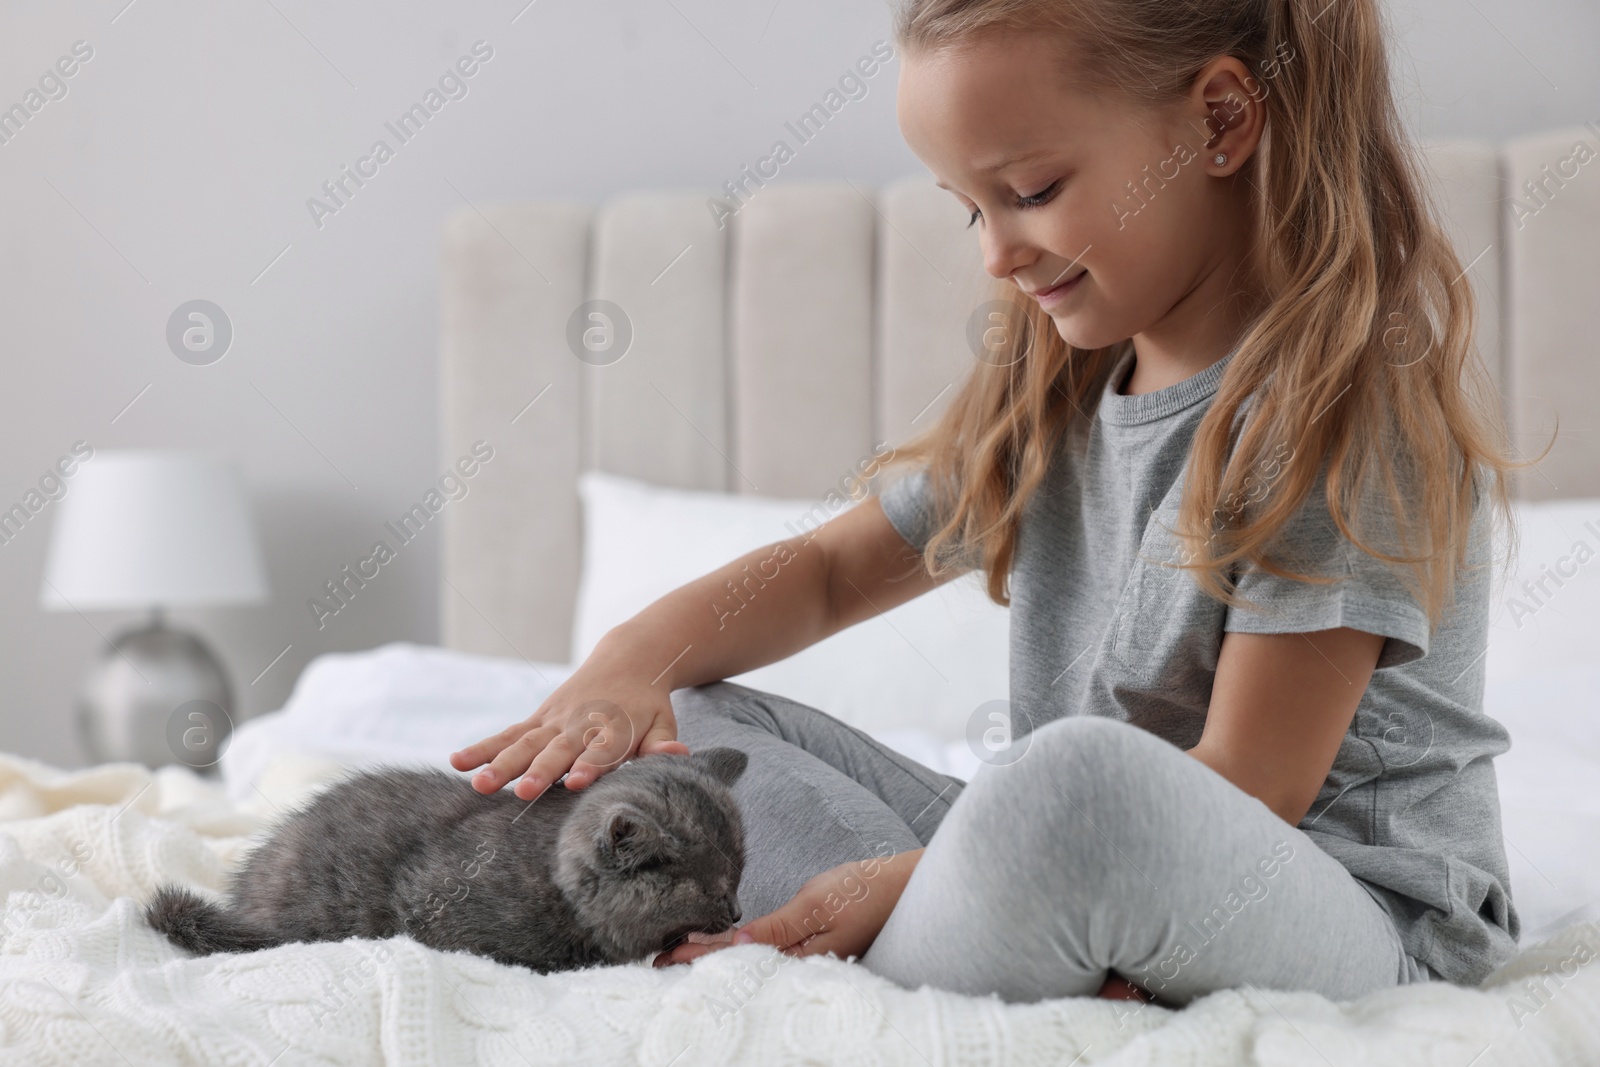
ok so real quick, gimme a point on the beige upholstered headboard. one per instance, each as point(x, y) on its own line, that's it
point(770, 355)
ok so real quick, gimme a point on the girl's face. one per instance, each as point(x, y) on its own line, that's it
point(1109, 213)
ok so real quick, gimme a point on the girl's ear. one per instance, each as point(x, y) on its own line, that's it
point(1228, 104)
point(630, 837)
point(725, 764)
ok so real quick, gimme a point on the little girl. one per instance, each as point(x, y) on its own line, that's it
point(1231, 460)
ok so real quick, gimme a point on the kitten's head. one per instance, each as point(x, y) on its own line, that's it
point(654, 850)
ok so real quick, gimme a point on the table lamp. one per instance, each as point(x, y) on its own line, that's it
point(151, 530)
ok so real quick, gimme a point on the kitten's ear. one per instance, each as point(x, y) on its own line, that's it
point(725, 764)
point(630, 836)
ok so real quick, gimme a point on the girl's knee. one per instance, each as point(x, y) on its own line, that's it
point(1086, 792)
point(705, 715)
point(714, 699)
point(1103, 770)
point(1087, 748)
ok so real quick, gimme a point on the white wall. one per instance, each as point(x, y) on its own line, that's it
point(179, 164)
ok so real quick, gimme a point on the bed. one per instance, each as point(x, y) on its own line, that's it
point(834, 315)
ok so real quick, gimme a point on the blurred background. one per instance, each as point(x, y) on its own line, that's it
point(176, 164)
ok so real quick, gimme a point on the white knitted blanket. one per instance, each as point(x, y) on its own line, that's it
point(83, 981)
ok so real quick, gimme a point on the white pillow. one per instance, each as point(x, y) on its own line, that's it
point(1543, 672)
point(925, 665)
point(1550, 812)
point(1544, 615)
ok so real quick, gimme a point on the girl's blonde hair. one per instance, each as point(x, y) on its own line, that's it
point(1361, 365)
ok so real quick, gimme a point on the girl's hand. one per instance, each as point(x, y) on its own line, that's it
point(592, 723)
point(839, 911)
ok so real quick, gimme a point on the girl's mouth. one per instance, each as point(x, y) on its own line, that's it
point(1057, 293)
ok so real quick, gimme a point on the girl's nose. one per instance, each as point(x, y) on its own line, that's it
point(1003, 255)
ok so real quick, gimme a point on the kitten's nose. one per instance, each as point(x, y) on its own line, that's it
point(733, 911)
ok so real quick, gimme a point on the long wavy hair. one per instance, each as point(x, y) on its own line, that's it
point(1367, 319)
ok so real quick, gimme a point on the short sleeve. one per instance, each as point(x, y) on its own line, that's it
point(908, 504)
point(1367, 593)
point(905, 503)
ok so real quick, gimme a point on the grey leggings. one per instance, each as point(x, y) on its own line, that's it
point(1103, 849)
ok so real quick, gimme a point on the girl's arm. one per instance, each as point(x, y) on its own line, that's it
point(785, 597)
point(1280, 706)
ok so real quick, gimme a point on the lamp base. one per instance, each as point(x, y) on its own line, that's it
point(158, 696)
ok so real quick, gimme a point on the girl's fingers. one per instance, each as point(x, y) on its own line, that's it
point(789, 942)
point(608, 738)
point(481, 752)
point(599, 737)
point(785, 928)
point(687, 952)
point(697, 937)
point(549, 764)
point(610, 741)
point(662, 736)
point(512, 760)
point(696, 946)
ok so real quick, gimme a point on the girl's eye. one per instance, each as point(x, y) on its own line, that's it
point(1039, 199)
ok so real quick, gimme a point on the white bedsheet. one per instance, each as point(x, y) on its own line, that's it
point(83, 980)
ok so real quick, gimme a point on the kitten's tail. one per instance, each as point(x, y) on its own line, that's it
point(194, 923)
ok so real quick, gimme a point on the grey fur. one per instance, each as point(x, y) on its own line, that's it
point(608, 874)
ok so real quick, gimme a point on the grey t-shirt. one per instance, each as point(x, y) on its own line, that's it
point(1100, 627)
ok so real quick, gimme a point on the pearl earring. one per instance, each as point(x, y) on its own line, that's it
point(1221, 159)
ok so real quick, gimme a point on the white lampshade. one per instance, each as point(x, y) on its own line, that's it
point(144, 529)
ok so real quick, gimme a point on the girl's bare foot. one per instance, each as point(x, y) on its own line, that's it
point(1118, 988)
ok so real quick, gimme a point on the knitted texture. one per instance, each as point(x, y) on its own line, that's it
point(84, 981)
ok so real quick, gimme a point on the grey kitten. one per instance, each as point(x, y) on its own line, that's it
point(608, 874)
